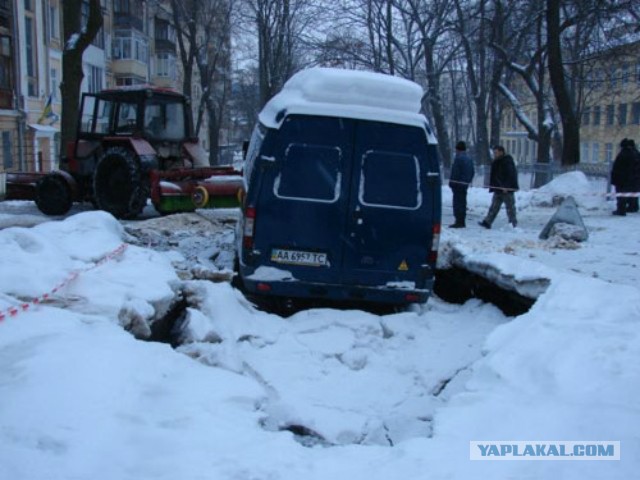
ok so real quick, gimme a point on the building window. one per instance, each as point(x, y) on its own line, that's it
point(53, 74)
point(638, 72)
point(596, 115)
point(5, 13)
point(611, 113)
point(635, 113)
point(28, 5)
point(7, 157)
point(613, 80)
point(164, 31)
point(608, 152)
point(622, 114)
point(54, 22)
point(584, 151)
point(94, 78)
point(129, 7)
point(5, 62)
point(30, 47)
point(598, 78)
point(586, 116)
point(595, 152)
point(165, 65)
point(625, 73)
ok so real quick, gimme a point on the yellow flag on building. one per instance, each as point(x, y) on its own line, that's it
point(48, 112)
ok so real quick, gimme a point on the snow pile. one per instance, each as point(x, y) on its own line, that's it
point(137, 286)
point(574, 184)
point(567, 369)
point(347, 93)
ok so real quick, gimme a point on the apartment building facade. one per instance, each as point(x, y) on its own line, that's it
point(136, 45)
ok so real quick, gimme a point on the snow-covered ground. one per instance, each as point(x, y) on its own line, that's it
point(324, 393)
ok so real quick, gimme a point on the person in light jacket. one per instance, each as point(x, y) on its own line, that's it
point(503, 184)
point(462, 172)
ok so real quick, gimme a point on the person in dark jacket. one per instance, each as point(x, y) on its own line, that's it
point(462, 172)
point(503, 183)
point(623, 175)
point(634, 205)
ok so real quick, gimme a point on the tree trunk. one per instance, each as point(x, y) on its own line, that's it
point(570, 126)
point(435, 105)
point(77, 38)
point(214, 131)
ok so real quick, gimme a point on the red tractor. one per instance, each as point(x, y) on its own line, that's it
point(132, 144)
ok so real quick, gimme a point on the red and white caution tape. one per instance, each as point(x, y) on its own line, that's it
point(608, 194)
point(23, 307)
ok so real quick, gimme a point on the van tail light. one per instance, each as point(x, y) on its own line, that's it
point(249, 227)
point(412, 297)
point(435, 243)
point(263, 287)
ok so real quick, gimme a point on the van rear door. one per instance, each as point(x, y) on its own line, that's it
point(392, 206)
point(301, 211)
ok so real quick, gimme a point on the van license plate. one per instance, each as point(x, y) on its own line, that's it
point(297, 257)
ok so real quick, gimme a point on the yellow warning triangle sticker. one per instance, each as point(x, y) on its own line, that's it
point(403, 266)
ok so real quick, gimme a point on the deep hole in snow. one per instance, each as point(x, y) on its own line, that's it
point(454, 285)
point(164, 329)
point(457, 285)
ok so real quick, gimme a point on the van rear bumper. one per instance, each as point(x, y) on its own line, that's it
point(308, 290)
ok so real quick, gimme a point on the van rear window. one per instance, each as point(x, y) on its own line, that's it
point(390, 180)
point(309, 173)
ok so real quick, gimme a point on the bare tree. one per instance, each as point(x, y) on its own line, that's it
point(203, 35)
point(472, 27)
point(522, 48)
point(566, 107)
point(77, 37)
point(282, 26)
point(432, 21)
point(214, 66)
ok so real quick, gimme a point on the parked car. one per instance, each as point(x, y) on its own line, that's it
point(342, 192)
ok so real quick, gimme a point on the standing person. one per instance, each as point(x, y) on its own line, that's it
point(623, 176)
point(503, 184)
point(462, 173)
point(634, 205)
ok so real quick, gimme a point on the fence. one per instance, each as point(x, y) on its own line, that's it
point(535, 175)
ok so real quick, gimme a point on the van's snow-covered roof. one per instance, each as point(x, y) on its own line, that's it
point(350, 94)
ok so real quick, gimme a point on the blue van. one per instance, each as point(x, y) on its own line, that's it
point(342, 190)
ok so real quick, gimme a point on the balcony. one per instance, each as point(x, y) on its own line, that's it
point(164, 45)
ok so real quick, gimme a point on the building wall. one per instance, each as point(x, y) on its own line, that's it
point(610, 111)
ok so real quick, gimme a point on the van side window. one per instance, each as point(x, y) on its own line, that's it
point(390, 180)
point(309, 173)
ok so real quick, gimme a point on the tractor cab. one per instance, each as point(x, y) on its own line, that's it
point(159, 117)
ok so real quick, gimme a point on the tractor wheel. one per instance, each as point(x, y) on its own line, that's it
point(53, 195)
point(119, 185)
